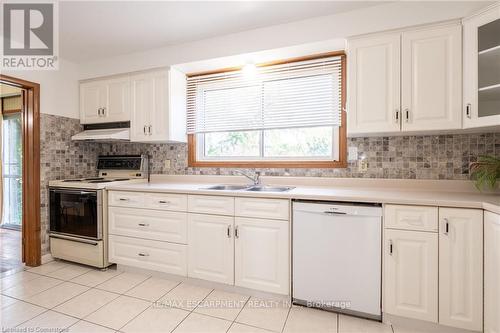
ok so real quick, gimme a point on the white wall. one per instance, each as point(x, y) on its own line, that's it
point(367, 20)
point(58, 89)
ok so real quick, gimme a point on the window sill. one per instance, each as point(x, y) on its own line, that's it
point(267, 164)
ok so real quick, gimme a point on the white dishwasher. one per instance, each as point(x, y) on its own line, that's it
point(337, 257)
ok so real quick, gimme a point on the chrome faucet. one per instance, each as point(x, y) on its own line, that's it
point(255, 179)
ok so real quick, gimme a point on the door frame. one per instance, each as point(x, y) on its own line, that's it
point(31, 239)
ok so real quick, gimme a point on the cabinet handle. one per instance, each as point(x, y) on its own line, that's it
point(103, 112)
point(467, 110)
point(407, 115)
point(145, 129)
point(143, 224)
point(99, 111)
point(124, 199)
point(397, 117)
point(446, 226)
point(164, 202)
point(141, 254)
point(150, 127)
point(391, 247)
point(228, 231)
point(236, 232)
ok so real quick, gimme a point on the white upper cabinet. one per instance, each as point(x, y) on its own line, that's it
point(374, 84)
point(158, 107)
point(461, 268)
point(405, 81)
point(431, 79)
point(481, 83)
point(105, 101)
point(491, 273)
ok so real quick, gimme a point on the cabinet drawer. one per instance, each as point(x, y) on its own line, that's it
point(420, 218)
point(126, 199)
point(206, 204)
point(148, 254)
point(278, 209)
point(148, 224)
point(166, 201)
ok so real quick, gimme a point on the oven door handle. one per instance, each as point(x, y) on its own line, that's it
point(77, 240)
point(73, 191)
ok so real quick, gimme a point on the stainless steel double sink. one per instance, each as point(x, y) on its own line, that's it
point(249, 188)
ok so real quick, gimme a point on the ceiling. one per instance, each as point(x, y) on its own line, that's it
point(94, 30)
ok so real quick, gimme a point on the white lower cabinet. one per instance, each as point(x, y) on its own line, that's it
point(461, 268)
point(491, 273)
point(261, 254)
point(211, 247)
point(148, 254)
point(411, 274)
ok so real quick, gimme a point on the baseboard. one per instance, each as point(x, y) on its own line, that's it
point(47, 258)
point(419, 326)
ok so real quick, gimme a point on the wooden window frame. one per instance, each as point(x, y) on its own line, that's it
point(31, 239)
point(341, 163)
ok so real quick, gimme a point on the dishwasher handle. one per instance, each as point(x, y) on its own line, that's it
point(330, 212)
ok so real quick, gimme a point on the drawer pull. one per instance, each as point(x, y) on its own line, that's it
point(143, 254)
point(164, 202)
point(124, 199)
point(143, 224)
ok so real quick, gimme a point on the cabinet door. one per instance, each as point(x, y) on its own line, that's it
point(482, 69)
point(374, 84)
point(491, 273)
point(142, 102)
point(261, 255)
point(158, 118)
point(411, 274)
point(92, 99)
point(118, 106)
point(211, 248)
point(460, 268)
point(431, 79)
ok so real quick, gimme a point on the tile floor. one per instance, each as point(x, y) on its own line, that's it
point(10, 249)
point(61, 296)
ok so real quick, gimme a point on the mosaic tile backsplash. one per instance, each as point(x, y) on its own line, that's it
point(404, 157)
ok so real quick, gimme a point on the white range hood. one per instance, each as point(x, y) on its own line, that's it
point(111, 134)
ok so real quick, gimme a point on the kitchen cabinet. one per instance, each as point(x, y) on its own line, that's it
point(491, 272)
point(261, 254)
point(105, 101)
point(461, 268)
point(211, 247)
point(417, 218)
point(411, 274)
point(407, 81)
point(481, 83)
point(158, 106)
point(374, 76)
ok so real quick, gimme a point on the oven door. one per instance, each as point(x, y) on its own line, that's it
point(76, 213)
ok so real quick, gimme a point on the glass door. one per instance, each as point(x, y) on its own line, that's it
point(12, 170)
point(489, 69)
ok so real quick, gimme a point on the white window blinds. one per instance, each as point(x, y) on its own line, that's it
point(297, 94)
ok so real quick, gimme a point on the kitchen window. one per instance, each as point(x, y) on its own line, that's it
point(284, 114)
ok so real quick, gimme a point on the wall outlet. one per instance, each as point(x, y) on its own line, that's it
point(167, 164)
point(353, 154)
point(363, 165)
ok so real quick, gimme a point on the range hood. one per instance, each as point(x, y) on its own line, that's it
point(104, 132)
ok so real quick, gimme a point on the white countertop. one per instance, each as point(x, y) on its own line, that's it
point(372, 194)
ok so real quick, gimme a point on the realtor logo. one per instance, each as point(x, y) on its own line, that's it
point(29, 36)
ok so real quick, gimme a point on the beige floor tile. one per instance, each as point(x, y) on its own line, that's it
point(18, 313)
point(222, 305)
point(348, 324)
point(14, 279)
point(197, 323)
point(267, 314)
point(6, 301)
point(57, 295)
point(184, 296)
point(152, 289)
point(49, 321)
point(86, 327)
point(86, 303)
point(301, 319)
point(163, 319)
point(48, 267)
point(240, 328)
point(118, 312)
point(69, 272)
point(32, 287)
point(122, 283)
point(95, 277)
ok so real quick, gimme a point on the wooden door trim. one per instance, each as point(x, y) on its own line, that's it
point(31, 245)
